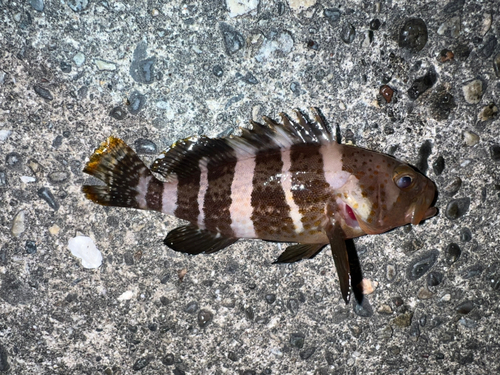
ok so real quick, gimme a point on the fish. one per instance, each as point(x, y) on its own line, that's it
point(290, 181)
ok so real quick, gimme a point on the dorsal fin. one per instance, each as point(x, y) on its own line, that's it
point(185, 157)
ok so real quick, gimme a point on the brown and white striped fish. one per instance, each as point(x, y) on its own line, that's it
point(287, 182)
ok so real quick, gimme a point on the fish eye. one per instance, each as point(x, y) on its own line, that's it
point(404, 182)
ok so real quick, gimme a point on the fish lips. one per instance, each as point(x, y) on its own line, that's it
point(422, 208)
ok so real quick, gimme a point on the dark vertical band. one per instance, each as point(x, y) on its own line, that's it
point(155, 194)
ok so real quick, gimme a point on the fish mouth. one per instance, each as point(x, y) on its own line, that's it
point(421, 208)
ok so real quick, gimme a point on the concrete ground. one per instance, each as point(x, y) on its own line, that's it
point(74, 72)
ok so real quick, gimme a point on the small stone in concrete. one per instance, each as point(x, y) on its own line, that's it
point(473, 91)
point(18, 224)
point(84, 249)
point(105, 65)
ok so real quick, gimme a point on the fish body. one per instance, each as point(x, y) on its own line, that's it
point(288, 182)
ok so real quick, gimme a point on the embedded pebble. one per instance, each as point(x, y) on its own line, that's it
point(464, 308)
point(3, 178)
point(424, 293)
point(204, 318)
point(423, 263)
point(136, 102)
point(495, 152)
point(238, 7)
point(438, 165)
point(142, 68)
point(496, 65)
point(364, 309)
point(30, 247)
point(452, 253)
point(367, 286)
point(297, 340)
point(270, 298)
point(385, 309)
point(434, 278)
point(485, 27)
point(276, 44)
point(54, 230)
point(233, 40)
point(217, 71)
point(4, 134)
point(168, 359)
point(472, 271)
point(386, 93)
point(141, 363)
point(348, 33)
point(488, 112)
point(403, 320)
point(423, 155)
point(422, 84)
point(4, 359)
point(413, 35)
point(457, 208)
point(18, 224)
point(375, 24)
point(78, 5)
point(453, 6)
point(307, 353)
point(191, 307)
point(390, 272)
point(489, 47)
point(295, 88)
point(118, 113)
point(442, 105)
point(105, 65)
point(47, 196)
point(250, 79)
point(470, 138)
point(465, 235)
point(445, 55)
point(84, 249)
point(37, 5)
point(332, 15)
point(293, 306)
point(451, 27)
point(43, 92)
point(27, 179)
point(145, 146)
point(453, 187)
point(79, 59)
point(301, 4)
point(473, 91)
point(58, 177)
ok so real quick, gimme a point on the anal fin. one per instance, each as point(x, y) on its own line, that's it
point(193, 240)
point(295, 253)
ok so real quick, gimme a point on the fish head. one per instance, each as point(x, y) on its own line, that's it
point(388, 194)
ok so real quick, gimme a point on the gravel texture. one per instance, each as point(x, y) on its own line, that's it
point(416, 79)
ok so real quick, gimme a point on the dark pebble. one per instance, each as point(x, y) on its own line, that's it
point(473, 271)
point(233, 100)
point(423, 155)
point(332, 15)
point(419, 266)
point(141, 363)
point(37, 5)
point(466, 360)
point(434, 278)
point(442, 105)
point(249, 314)
point(445, 55)
point(452, 253)
point(168, 359)
point(297, 340)
point(364, 309)
point(453, 187)
point(143, 71)
point(164, 301)
point(413, 35)
point(250, 79)
point(145, 146)
point(65, 67)
point(312, 45)
point(422, 84)
point(330, 358)
point(233, 40)
point(30, 247)
point(249, 372)
point(217, 71)
point(136, 102)
point(58, 177)
point(307, 353)
point(165, 279)
point(128, 258)
point(438, 165)
point(3, 178)
point(295, 87)
point(233, 356)
point(375, 24)
point(415, 331)
point(465, 235)
point(43, 92)
point(348, 33)
point(386, 93)
point(496, 65)
point(48, 197)
point(13, 160)
point(118, 113)
point(71, 297)
point(178, 371)
point(464, 308)
point(293, 306)
point(57, 142)
point(270, 298)
point(4, 359)
point(495, 152)
point(453, 6)
point(489, 47)
point(462, 51)
point(388, 130)
point(457, 208)
point(78, 5)
point(153, 327)
point(439, 356)
point(204, 318)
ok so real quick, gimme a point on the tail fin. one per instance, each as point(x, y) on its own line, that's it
point(125, 175)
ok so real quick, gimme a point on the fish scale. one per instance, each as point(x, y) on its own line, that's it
point(287, 182)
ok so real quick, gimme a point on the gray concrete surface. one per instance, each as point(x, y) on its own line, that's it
point(74, 72)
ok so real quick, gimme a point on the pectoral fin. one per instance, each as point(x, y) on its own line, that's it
point(339, 251)
point(192, 240)
point(295, 253)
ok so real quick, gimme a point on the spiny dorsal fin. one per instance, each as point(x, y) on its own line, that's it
point(185, 157)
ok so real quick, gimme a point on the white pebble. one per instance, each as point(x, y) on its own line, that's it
point(84, 248)
point(27, 179)
point(18, 226)
point(105, 65)
point(126, 296)
point(4, 134)
point(239, 7)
